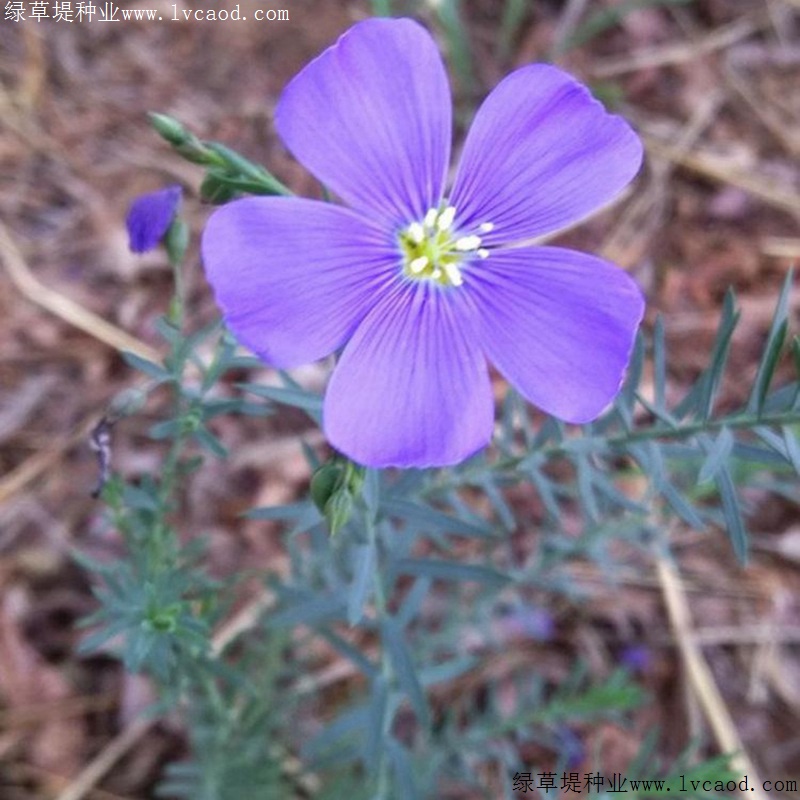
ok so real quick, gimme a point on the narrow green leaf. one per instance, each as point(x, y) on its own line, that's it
point(149, 368)
point(449, 571)
point(427, 518)
point(733, 513)
point(209, 442)
point(298, 398)
point(792, 447)
point(700, 399)
point(499, 504)
point(403, 770)
point(361, 586)
point(375, 731)
point(312, 610)
point(586, 490)
point(404, 669)
point(772, 349)
point(291, 511)
point(659, 366)
point(448, 671)
point(412, 602)
point(717, 456)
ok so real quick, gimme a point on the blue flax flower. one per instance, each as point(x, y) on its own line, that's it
point(423, 287)
point(150, 216)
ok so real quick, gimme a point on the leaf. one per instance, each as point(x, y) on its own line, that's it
point(659, 366)
point(403, 770)
point(450, 571)
point(361, 586)
point(412, 602)
point(375, 730)
point(792, 447)
point(298, 398)
point(448, 671)
point(425, 517)
point(209, 442)
point(290, 511)
point(585, 489)
point(312, 610)
point(772, 349)
point(717, 455)
point(149, 368)
point(700, 398)
point(732, 512)
point(404, 670)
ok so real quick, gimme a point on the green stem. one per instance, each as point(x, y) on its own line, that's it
point(383, 784)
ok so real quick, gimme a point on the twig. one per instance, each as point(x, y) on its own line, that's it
point(701, 679)
point(718, 169)
point(678, 53)
point(63, 307)
point(93, 773)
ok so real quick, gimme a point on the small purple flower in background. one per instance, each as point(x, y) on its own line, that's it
point(528, 622)
point(636, 657)
point(423, 287)
point(150, 216)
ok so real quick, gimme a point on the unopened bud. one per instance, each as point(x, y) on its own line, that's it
point(338, 510)
point(324, 484)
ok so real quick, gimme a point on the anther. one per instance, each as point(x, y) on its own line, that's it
point(483, 252)
point(419, 264)
point(416, 232)
point(466, 243)
point(454, 274)
point(430, 218)
point(446, 218)
point(486, 227)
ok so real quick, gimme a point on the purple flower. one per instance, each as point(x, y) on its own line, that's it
point(421, 286)
point(636, 657)
point(150, 216)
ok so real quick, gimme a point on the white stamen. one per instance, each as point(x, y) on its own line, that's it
point(430, 218)
point(437, 273)
point(446, 218)
point(466, 243)
point(483, 252)
point(454, 274)
point(486, 227)
point(419, 264)
point(416, 232)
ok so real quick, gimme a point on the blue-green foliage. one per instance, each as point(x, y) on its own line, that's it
point(392, 591)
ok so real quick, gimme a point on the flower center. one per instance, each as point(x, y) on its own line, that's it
point(432, 252)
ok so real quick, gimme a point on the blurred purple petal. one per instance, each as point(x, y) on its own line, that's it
point(294, 277)
point(371, 118)
point(529, 622)
point(636, 657)
point(558, 324)
point(412, 388)
point(541, 154)
point(150, 216)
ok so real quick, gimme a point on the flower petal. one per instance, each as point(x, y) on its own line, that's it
point(541, 154)
point(371, 118)
point(150, 216)
point(412, 387)
point(558, 324)
point(293, 276)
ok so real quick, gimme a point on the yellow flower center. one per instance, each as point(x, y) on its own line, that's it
point(431, 251)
